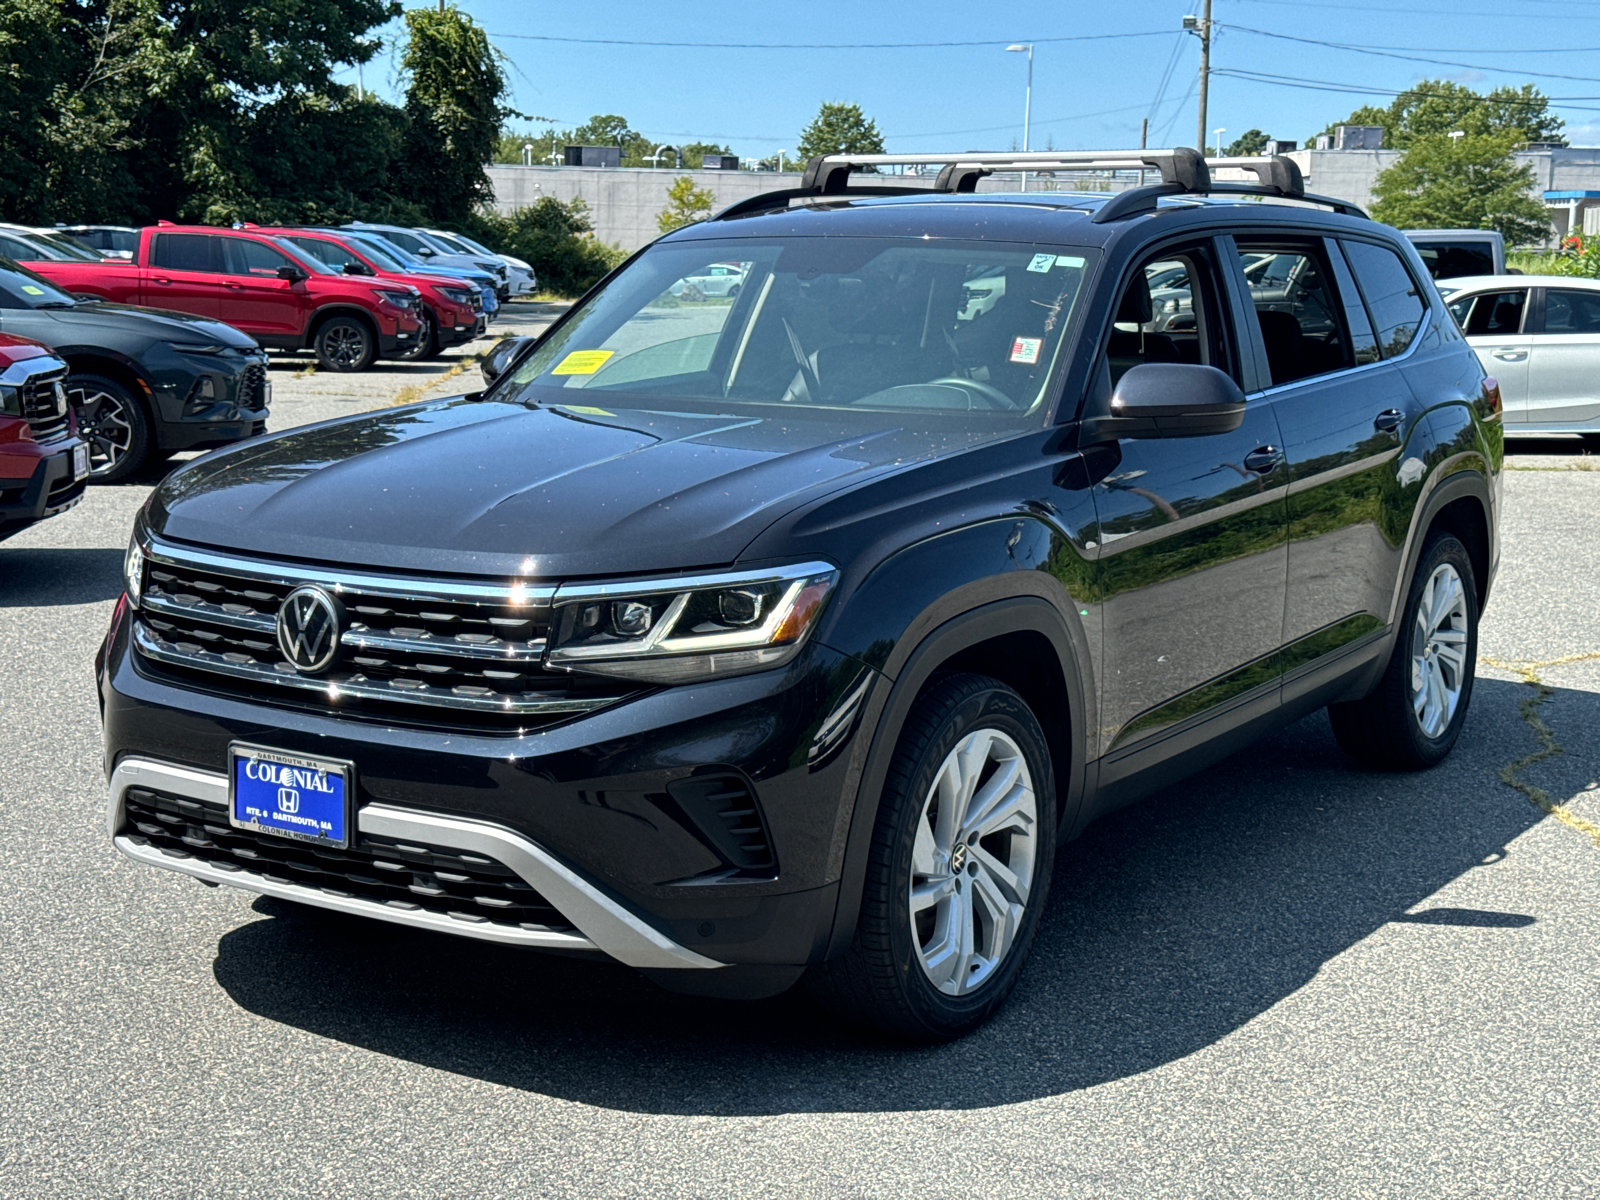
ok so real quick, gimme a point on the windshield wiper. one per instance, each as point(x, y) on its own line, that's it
point(57, 304)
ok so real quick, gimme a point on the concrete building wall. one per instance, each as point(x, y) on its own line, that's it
point(623, 202)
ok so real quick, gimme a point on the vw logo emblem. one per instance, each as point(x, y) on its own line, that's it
point(308, 629)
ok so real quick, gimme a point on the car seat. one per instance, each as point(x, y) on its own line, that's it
point(1128, 348)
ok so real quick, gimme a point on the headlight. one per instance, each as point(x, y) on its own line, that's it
point(200, 348)
point(459, 296)
point(133, 571)
point(10, 400)
point(398, 299)
point(676, 631)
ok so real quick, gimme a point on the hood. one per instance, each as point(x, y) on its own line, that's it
point(495, 488)
point(156, 324)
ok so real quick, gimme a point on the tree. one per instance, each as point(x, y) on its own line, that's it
point(557, 238)
point(686, 204)
point(1250, 144)
point(1467, 182)
point(454, 106)
point(1438, 106)
point(839, 129)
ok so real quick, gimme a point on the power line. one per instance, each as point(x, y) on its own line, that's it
point(1373, 50)
point(1083, 37)
point(1432, 12)
point(1358, 90)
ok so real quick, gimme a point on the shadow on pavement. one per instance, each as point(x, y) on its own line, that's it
point(45, 577)
point(1171, 924)
point(1547, 447)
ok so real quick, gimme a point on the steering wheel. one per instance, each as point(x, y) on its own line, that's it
point(987, 390)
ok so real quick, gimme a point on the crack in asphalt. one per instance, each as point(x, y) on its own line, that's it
point(1548, 746)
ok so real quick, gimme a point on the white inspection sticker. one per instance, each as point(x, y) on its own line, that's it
point(1042, 262)
point(1026, 350)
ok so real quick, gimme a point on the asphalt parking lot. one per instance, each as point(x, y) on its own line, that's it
point(1289, 977)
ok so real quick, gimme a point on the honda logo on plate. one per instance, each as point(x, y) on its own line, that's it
point(308, 629)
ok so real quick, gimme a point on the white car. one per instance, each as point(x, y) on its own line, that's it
point(521, 279)
point(1539, 335)
point(720, 279)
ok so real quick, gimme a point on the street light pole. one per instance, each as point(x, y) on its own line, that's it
point(1217, 133)
point(1027, 103)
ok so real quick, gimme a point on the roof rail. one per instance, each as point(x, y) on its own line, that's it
point(1184, 172)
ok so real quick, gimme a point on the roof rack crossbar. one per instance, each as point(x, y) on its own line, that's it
point(1183, 172)
point(1273, 171)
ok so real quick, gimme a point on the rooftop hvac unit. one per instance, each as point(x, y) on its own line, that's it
point(1279, 146)
point(592, 156)
point(720, 162)
point(1358, 137)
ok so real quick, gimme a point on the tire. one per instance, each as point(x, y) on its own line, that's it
point(1413, 717)
point(944, 969)
point(345, 343)
point(114, 424)
point(733, 292)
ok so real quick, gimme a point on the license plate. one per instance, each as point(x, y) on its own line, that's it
point(80, 462)
point(290, 795)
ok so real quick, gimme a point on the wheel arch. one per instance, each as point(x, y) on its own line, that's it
point(327, 312)
point(1021, 641)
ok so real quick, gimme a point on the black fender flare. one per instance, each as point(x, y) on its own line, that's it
point(889, 708)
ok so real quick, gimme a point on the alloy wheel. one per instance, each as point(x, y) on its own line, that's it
point(1439, 650)
point(345, 345)
point(103, 423)
point(972, 862)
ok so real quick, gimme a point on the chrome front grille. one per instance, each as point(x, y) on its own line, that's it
point(44, 405)
point(466, 651)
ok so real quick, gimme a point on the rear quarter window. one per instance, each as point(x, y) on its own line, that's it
point(1393, 298)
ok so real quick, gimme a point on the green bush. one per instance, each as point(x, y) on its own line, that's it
point(557, 239)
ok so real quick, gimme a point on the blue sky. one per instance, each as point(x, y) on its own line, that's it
point(1086, 93)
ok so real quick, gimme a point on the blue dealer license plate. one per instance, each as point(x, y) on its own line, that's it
point(290, 795)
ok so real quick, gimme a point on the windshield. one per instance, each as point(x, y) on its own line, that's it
point(400, 254)
point(68, 246)
point(940, 327)
point(453, 244)
point(472, 246)
point(21, 288)
point(379, 257)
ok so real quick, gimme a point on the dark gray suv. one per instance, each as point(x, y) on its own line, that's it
point(746, 638)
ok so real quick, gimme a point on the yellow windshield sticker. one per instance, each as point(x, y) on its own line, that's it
point(31, 290)
point(582, 362)
point(588, 412)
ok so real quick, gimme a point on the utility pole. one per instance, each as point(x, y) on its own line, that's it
point(1205, 75)
point(1144, 133)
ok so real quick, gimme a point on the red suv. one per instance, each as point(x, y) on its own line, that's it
point(43, 465)
point(451, 308)
point(263, 285)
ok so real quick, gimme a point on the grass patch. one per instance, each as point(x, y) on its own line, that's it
point(305, 372)
point(414, 392)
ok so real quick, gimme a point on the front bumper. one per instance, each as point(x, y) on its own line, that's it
point(202, 401)
point(598, 921)
point(48, 490)
point(592, 800)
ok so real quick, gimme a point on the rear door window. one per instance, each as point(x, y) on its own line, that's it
point(184, 252)
point(1393, 298)
point(1571, 311)
point(1454, 260)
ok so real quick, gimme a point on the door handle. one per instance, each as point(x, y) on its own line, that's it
point(1510, 355)
point(1263, 460)
point(1389, 420)
point(159, 279)
point(238, 287)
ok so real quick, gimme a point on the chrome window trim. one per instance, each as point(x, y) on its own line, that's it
point(337, 579)
point(333, 690)
point(602, 923)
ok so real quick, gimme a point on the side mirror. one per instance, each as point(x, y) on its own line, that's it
point(292, 274)
point(354, 267)
point(426, 251)
point(1163, 400)
point(502, 356)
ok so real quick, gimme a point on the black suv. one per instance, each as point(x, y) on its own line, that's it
point(740, 637)
point(143, 383)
